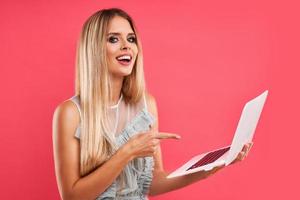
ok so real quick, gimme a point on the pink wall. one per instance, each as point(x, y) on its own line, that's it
point(203, 61)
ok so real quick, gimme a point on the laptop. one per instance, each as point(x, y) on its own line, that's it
point(243, 134)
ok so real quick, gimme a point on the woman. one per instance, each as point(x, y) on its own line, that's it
point(105, 138)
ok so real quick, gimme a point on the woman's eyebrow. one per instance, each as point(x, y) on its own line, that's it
point(117, 33)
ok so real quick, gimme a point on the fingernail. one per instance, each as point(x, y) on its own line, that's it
point(178, 136)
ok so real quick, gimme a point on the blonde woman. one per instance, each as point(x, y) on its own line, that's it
point(105, 137)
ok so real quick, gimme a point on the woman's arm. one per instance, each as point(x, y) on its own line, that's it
point(66, 156)
point(160, 184)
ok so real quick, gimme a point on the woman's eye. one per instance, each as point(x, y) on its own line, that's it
point(132, 39)
point(112, 39)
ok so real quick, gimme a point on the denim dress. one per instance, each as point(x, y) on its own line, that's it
point(138, 172)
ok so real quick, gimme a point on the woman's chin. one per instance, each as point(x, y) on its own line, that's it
point(122, 73)
point(120, 70)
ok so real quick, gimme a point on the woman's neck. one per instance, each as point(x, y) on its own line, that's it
point(117, 83)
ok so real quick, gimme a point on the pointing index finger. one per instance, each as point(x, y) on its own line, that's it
point(164, 135)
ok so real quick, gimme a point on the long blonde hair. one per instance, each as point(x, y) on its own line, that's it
point(93, 85)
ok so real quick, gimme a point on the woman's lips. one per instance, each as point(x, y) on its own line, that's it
point(124, 63)
point(124, 59)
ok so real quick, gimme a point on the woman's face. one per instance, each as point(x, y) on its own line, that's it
point(121, 47)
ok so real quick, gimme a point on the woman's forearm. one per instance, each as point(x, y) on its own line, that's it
point(161, 184)
point(95, 183)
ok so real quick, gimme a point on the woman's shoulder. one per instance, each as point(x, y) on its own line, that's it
point(151, 103)
point(66, 116)
point(149, 97)
point(68, 108)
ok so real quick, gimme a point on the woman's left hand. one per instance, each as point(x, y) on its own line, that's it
point(243, 154)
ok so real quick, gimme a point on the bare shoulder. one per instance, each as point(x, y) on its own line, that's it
point(151, 103)
point(66, 116)
point(150, 98)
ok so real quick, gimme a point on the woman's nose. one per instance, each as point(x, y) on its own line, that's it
point(125, 45)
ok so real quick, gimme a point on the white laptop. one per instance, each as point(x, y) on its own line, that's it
point(243, 134)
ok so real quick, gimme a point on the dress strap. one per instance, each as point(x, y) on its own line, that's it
point(76, 101)
point(145, 102)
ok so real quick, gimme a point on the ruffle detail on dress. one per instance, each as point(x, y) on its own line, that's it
point(138, 172)
point(141, 122)
point(109, 193)
point(147, 175)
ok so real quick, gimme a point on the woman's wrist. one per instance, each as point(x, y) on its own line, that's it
point(125, 153)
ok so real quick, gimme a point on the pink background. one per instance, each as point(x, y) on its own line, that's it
point(203, 61)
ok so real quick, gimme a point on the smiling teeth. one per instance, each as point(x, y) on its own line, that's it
point(124, 57)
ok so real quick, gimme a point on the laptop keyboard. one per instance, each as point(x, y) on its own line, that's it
point(209, 158)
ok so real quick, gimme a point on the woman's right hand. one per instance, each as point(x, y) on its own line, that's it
point(146, 144)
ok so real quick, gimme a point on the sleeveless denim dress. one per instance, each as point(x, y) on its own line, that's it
point(138, 172)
